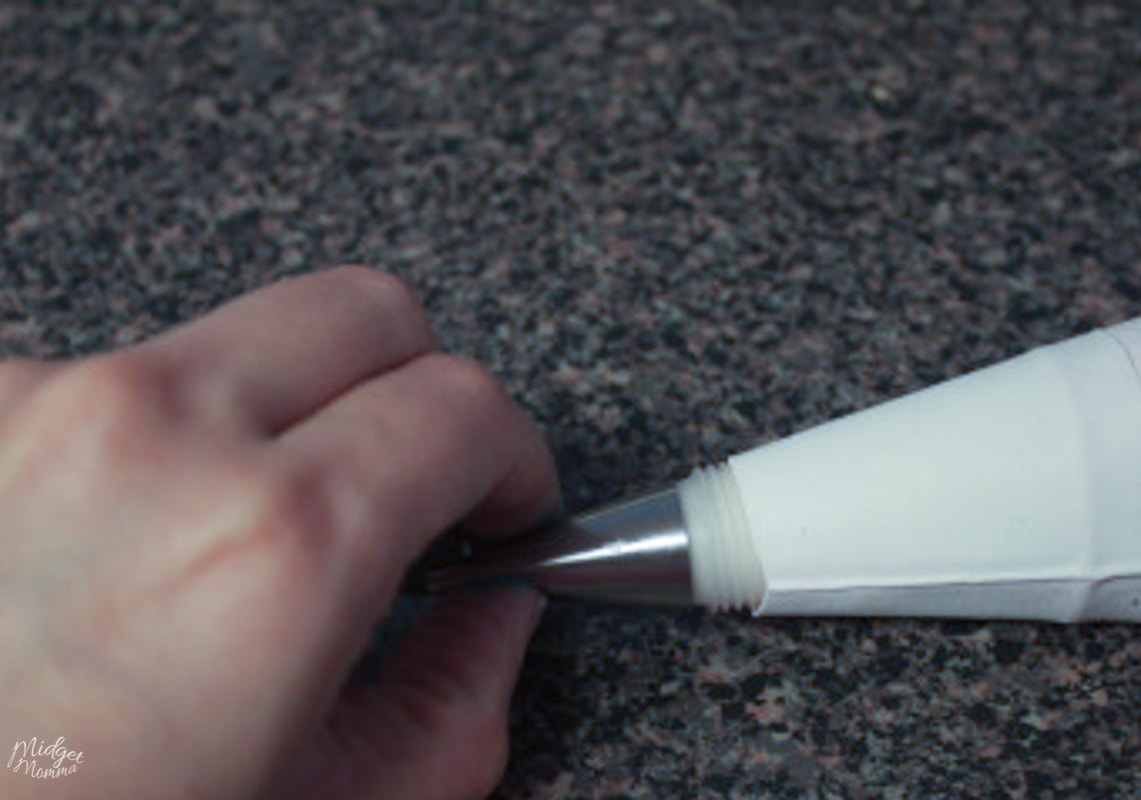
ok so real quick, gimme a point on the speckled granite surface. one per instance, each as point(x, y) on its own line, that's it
point(674, 229)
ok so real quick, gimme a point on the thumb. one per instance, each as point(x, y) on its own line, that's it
point(435, 725)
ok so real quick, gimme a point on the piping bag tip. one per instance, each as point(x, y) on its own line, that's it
point(457, 577)
point(632, 552)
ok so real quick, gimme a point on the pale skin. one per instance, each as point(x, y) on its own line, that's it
point(198, 534)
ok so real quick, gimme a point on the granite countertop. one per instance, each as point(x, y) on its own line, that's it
point(675, 230)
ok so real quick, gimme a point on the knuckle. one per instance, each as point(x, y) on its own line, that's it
point(113, 388)
point(471, 382)
point(398, 299)
point(19, 378)
point(23, 369)
point(102, 418)
point(396, 292)
point(285, 503)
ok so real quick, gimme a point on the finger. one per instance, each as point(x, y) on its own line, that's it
point(435, 725)
point(18, 377)
point(274, 356)
point(407, 455)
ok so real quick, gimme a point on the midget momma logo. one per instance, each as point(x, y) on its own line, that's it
point(38, 758)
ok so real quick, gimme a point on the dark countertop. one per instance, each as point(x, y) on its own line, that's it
point(675, 230)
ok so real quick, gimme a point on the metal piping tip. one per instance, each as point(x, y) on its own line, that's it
point(636, 551)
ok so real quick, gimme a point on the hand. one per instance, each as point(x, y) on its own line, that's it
point(198, 534)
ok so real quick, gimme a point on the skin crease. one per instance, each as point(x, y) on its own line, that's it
point(198, 533)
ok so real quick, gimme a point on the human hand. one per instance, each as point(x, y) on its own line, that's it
point(198, 534)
